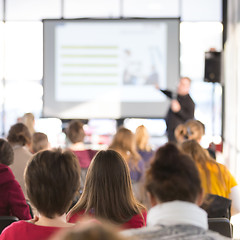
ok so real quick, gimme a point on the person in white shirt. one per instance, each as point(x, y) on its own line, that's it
point(175, 192)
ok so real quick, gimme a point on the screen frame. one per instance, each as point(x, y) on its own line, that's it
point(126, 107)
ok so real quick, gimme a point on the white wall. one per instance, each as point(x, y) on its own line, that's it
point(232, 89)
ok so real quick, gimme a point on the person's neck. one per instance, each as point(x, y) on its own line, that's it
point(57, 221)
point(77, 146)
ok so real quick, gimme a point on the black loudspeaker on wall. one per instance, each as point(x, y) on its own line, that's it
point(212, 67)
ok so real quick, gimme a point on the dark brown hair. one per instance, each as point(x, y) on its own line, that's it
point(108, 189)
point(19, 134)
point(201, 157)
point(52, 180)
point(39, 142)
point(6, 152)
point(75, 131)
point(173, 176)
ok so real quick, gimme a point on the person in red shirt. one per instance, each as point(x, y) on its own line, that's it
point(75, 134)
point(12, 202)
point(108, 195)
point(52, 180)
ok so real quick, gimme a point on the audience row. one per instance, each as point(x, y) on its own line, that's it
point(65, 186)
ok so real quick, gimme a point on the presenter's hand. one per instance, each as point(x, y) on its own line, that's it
point(175, 106)
point(157, 86)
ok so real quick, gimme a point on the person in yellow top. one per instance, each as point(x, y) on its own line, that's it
point(215, 177)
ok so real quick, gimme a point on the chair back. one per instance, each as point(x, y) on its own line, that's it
point(6, 220)
point(221, 225)
point(217, 206)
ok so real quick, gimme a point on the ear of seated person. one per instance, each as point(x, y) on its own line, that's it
point(52, 180)
point(108, 193)
point(174, 188)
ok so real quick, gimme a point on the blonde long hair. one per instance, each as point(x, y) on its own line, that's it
point(124, 143)
point(29, 120)
point(202, 158)
point(142, 138)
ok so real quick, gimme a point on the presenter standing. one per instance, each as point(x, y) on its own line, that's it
point(181, 108)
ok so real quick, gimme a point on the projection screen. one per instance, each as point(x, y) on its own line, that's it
point(108, 68)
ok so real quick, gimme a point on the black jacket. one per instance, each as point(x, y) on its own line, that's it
point(173, 119)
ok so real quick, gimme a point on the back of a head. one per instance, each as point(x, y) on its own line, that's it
point(108, 189)
point(75, 131)
point(6, 153)
point(195, 129)
point(173, 176)
point(123, 139)
point(19, 134)
point(91, 231)
point(190, 130)
point(39, 142)
point(29, 120)
point(124, 143)
point(52, 180)
point(180, 133)
point(142, 138)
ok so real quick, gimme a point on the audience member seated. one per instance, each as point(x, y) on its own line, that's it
point(124, 142)
point(39, 142)
point(143, 146)
point(107, 193)
point(89, 230)
point(192, 130)
point(28, 120)
point(52, 180)
point(215, 177)
point(175, 192)
point(146, 153)
point(12, 202)
point(19, 137)
point(76, 134)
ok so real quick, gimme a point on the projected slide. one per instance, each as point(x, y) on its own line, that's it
point(108, 68)
point(123, 61)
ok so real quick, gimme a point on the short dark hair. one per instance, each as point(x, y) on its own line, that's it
point(173, 176)
point(6, 152)
point(75, 131)
point(39, 142)
point(52, 180)
point(20, 134)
